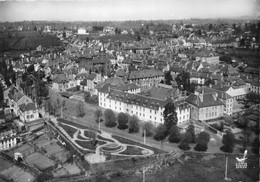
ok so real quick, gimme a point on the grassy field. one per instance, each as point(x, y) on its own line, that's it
point(208, 168)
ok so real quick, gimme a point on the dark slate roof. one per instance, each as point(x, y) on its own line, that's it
point(15, 94)
point(145, 74)
point(114, 81)
point(182, 104)
point(92, 76)
point(59, 78)
point(27, 107)
point(137, 99)
point(207, 101)
point(126, 87)
point(221, 94)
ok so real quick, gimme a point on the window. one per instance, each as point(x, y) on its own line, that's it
point(143, 115)
point(32, 116)
point(150, 111)
point(154, 112)
point(154, 118)
point(28, 116)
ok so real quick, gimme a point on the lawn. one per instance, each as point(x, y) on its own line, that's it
point(197, 169)
point(131, 142)
point(105, 139)
point(69, 130)
point(74, 124)
point(88, 145)
point(131, 150)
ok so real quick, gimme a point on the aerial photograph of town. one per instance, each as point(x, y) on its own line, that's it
point(129, 90)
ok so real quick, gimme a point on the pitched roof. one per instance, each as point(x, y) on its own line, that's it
point(92, 76)
point(59, 78)
point(15, 94)
point(27, 107)
point(147, 73)
point(221, 94)
point(136, 99)
point(204, 100)
point(126, 87)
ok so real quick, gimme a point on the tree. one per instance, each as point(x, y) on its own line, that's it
point(228, 141)
point(183, 80)
point(122, 120)
point(174, 134)
point(191, 130)
point(133, 124)
point(80, 109)
point(149, 129)
point(98, 114)
point(170, 116)
point(30, 69)
point(255, 146)
point(184, 144)
point(168, 78)
point(202, 141)
point(1, 96)
point(160, 132)
point(110, 118)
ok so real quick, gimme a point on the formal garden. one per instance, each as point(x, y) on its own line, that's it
point(99, 142)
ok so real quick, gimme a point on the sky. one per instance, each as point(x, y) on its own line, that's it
point(119, 10)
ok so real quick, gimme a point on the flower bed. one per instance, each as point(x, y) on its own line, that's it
point(88, 145)
point(132, 150)
point(131, 142)
point(105, 139)
point(69, 130)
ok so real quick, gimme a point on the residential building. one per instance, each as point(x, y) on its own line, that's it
point(60, 83)
point(8, 137)
point(28, 112)
point(206, 107)
point(146, 79)
point(17, 98)
point(223, 96)
point(92, 80)
point(145, 108)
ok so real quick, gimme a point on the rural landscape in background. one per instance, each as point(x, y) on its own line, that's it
point(129, 90)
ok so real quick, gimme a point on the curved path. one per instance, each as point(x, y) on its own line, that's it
point(105, 135)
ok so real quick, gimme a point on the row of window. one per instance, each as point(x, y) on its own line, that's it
point(30, 116)
point(211, 114)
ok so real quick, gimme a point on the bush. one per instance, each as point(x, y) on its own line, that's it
point(175, 135)
point(201, 147)
point(184, 146)
point(133, 124)
point(110, 118)
point(160, 132)
point(149, 129)
point(122, 120)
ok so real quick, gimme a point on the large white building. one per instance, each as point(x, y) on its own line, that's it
point(144, 107)
point(223, 96)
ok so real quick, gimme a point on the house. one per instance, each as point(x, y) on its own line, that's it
point(146, 78)
point(8, 137)
point(183, 112)
point(199, 77)
point(80, 77)
point(223, 96)
point(17, 98)
point(92, 80)
point(60, 83)
point(206, 107)
point(145, 108)
point(28, 112)
point(129, 88)
point(255, 86)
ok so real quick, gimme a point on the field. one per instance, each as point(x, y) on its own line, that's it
point(11, 171)
point(40, 161)
point(208, 168)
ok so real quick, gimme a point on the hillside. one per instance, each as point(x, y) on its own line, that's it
point(24, 41)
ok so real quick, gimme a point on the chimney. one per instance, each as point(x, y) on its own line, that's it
point(201, 97)
point(215, 96)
